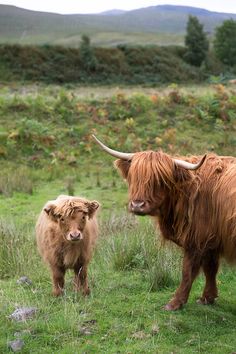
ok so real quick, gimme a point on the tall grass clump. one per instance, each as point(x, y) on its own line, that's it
point(164, 267)
point(70, 185)
point(130, 244)
point(16, 245)
point(16, 179)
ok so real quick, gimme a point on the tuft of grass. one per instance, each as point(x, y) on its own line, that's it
point(17, 249)
point(164, 267)
point(70, 185)
point(20, 179)
point(133, 244)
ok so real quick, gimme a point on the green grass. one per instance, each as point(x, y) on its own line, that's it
point(121, 315)
point(131, 275)
point(112, 39)
point(124, 313)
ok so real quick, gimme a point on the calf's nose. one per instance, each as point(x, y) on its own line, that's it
point(75, 236)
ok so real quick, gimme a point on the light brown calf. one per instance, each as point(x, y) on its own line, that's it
point(66, 232)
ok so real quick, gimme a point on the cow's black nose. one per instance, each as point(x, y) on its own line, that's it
point(137, 204)
point(137, 207)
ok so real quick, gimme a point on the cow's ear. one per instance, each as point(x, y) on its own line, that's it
point(49, 209)
point(92, 207)
point(123, 166)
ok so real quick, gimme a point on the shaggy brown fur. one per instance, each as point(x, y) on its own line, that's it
point(66, 232)
point(194, 209)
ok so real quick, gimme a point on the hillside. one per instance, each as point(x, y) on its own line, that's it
point(42, 124)
point(164, 24)
point(123, 65)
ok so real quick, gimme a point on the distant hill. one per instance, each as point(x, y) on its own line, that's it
point(163, 24)
point(113, 12)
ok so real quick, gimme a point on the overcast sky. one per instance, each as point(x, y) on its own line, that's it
point(95, 6)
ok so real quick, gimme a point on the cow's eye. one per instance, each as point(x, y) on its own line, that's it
point(62, 219)
point(83, 217)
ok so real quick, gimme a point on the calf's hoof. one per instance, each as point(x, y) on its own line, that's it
point(86, 292)
point(57, 293)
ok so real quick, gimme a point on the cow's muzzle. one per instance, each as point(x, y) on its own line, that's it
point(138, 207)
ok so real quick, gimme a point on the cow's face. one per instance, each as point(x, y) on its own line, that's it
point(146, 192)
point(151, 176)
point(72, 225)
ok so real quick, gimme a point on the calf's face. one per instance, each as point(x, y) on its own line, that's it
point(72, 226)
point(72, 223)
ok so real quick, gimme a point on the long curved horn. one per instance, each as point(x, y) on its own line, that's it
point(188, 165)
point(114, 153)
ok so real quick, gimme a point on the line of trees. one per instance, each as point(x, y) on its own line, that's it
point(197, 43)
point(197, 49)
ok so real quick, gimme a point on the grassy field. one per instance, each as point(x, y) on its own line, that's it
point(45, 151)
point(98, 39)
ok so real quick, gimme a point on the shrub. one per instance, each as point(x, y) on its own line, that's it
point(132, 65)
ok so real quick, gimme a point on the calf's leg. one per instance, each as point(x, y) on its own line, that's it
point(191, 267)
point(81, 278)
point(58, 275)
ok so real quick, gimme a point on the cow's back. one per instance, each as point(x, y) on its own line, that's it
point(224, 197)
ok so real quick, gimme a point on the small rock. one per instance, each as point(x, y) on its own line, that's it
point(16, 345)
point(155, 329)
point(140, 335)
point(24, 280)
point(85, 331)
point(92, 322)
point(86, 328)
point(23, 314)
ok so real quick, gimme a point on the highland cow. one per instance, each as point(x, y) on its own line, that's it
point(66, 232)
point(194, 204)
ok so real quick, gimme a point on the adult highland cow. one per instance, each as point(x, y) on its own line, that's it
point(194, 205)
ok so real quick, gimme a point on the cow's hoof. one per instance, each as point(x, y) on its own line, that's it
point(172, 306)
point(205, 301)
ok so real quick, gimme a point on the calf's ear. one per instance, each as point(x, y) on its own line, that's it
point(50, 211)
point(92, 207)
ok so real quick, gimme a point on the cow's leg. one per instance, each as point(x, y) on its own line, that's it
point(191, 267)
point(58, 275)
point(210, 265)
point(81, 278)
